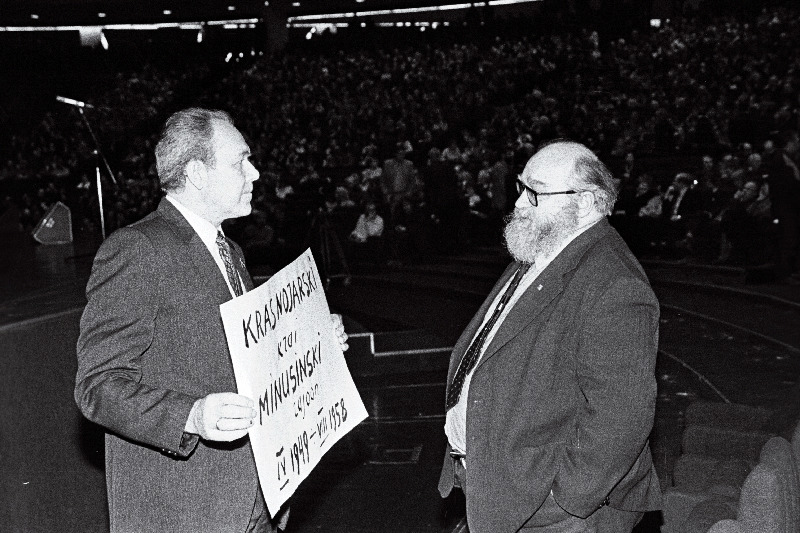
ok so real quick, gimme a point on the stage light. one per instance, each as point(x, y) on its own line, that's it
point(101, 15)
point(167, 12)
point(34, 16)
point(103, 41)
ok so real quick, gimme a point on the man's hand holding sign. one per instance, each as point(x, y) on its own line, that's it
point(287, 356)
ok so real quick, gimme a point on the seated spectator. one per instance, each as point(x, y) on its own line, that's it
point(637, 213)
point(452, 153)
point(372, 171)
point(629, 171)
point(743, 226)
point(644, 200)
point(366, 240)
point(368, 226)
point(479, 207)
point(283, 189)
point(683, 215)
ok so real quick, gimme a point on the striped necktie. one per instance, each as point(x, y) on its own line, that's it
point(225, 253)
point(474, 351)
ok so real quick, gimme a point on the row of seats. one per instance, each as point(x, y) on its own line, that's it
point(736, 473)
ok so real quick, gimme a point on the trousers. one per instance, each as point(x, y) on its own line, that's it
point(551, 518)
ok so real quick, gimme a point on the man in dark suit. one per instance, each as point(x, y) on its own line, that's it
point(551, 389)
point(153, 362)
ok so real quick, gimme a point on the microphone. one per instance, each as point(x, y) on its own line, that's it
point(76, 103)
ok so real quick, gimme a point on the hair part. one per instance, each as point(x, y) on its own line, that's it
point(187, 136)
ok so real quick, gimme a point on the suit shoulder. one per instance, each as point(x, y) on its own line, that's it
point(610, 256)
point(607, 264)
point(141, 238)
point(154, 227)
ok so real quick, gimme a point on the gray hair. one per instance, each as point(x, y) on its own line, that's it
point(187, 136)
point(592, 174)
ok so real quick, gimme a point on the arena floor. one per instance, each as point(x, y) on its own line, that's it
point(724, 338)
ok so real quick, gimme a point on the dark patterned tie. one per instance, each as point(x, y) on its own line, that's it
point(225, 253)
point(473, 352)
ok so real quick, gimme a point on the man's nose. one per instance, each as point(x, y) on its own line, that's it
point(253, 174)
point(523, 201)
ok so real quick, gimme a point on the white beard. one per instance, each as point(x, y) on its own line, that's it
point(527, 242)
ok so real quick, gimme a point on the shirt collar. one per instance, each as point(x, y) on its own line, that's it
point(204, 229)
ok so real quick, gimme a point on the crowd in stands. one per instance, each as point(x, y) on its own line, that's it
point(400, 152)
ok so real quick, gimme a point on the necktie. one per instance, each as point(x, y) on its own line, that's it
point(473, 352)
point(225, 253)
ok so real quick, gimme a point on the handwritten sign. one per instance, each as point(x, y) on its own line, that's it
point(287, 359)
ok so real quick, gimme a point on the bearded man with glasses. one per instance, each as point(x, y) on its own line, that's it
point(551, 388)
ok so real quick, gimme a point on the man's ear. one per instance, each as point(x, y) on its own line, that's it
point(196, 174)
point(585, 203)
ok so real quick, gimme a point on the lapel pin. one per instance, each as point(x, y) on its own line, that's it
point(539, 288)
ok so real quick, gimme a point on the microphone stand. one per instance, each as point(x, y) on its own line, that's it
point(99, 157)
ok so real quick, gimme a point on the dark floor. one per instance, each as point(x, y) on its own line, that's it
point(722, 339)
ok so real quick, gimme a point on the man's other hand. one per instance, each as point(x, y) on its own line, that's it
point(222, 416)
point(338, 330)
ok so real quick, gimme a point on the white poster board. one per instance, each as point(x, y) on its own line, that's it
point(288, 360)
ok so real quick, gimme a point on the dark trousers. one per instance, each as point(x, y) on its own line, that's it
point(550, 518)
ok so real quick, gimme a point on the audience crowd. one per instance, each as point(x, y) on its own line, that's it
point(390, 154)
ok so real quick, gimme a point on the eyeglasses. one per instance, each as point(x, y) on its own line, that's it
point(533, 196)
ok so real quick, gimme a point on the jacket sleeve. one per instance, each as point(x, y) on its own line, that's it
point(116, 333)
point(615, 365)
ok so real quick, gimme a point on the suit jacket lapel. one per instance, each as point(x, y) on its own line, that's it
point(196, 250)
point(545, 288)
point(547, 285)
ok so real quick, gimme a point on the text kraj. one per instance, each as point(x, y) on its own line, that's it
point(287, 359)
